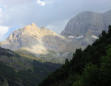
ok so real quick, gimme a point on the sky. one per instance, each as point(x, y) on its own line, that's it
point(53, 14)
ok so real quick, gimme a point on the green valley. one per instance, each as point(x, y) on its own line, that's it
point(17, 70)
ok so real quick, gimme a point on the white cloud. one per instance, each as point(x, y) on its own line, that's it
point(3, 31)
point(41, 3)
point(1, 15)
point(57, 26)
point(1, 12)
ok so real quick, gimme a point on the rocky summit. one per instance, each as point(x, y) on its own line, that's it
point(85, 27)
point(39, 42)
point(86, 22)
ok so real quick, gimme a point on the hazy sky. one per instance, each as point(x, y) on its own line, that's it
point(53, 14)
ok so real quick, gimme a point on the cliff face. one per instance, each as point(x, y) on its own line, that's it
point(85, 28)
point(88, 22)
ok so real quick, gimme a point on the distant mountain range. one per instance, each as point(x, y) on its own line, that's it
point(45, 45)
point(86, 27)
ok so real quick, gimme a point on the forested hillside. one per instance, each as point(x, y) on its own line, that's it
point(16, 70)
point(89, 67)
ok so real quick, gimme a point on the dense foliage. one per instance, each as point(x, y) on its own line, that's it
point(89, 67)
point(15, 70)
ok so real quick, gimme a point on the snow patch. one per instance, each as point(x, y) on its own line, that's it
point(80, 37)
point(71, 37)
point(95, 37)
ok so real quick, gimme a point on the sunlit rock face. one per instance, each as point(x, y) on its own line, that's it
point(85, 28)
point(40, 42)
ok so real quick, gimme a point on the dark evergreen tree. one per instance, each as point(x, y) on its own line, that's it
point(90, 67)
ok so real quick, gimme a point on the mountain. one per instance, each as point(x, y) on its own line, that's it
point(89, 67)
point(87, 26)
point(88, 22)
point(16, 70)
point(39, 42)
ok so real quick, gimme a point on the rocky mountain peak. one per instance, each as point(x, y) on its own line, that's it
point(85, 27)
point(31, 26)
point(86, 22)
point(38, 41)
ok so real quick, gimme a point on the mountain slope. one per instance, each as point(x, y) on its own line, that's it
point(86, 27)
point(17, 70)
point(91, 67)
point(40, 42)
